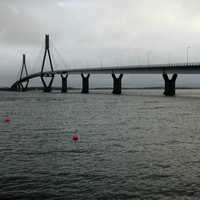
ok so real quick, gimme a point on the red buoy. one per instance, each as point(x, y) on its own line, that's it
point(75, 138)
point(7, 120)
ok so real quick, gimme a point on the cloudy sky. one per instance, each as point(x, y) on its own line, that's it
point(97, 32)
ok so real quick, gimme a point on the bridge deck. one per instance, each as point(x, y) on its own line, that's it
point(139, 69)
point(182, 68)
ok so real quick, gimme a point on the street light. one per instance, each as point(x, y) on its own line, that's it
point(148, 56)
point(138, 60)
point(187, 52)
point(101, 63)
point(169, 58)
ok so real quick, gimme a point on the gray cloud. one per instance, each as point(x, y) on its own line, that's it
point(114, 31)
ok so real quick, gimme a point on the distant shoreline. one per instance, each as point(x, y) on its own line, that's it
point(105, 88)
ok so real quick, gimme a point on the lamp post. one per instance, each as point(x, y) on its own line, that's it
point(101, 63)
point(187, 53)
point(148, 57)
point(138, 60)
point(169, 58)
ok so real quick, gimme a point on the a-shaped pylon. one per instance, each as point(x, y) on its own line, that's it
point(47, 87)
point(24, 73)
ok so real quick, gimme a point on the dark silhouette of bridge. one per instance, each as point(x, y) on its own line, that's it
point(163, 69)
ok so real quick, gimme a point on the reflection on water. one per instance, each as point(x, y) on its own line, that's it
point(140, 145)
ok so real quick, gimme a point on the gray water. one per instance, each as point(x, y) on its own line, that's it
point(140, 145)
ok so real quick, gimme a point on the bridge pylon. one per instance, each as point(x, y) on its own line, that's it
point(24, 69)
point(47, 86)
point(19, 86)
point(64, 82)
point(85, 83)
point(117, 84)
point(170, 85)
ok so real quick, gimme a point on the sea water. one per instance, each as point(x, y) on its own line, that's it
point(138, 145)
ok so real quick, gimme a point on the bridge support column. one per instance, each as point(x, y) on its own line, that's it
point(15, 87)
point(24, 87)
point(170, 85)
point(85, 83)
point(117, 84)
point(18, 87)
point(64, 83)
point(47, 87)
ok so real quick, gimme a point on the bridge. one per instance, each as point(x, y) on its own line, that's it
point(162, 69)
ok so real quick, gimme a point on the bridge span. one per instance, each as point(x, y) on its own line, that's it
point(162, 69)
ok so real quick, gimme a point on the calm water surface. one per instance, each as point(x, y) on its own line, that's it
point(140, 145)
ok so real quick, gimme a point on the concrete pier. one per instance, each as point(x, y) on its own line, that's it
point(117, 84)
point(85, 83)
point(47, 87)
point(170, 85)
point(64, 83)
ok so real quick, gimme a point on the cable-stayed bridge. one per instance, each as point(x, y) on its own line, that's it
point(163, 69)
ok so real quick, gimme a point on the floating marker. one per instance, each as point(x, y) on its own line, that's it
point(75, 138)
point(7, 120)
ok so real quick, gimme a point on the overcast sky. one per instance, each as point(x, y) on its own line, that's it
point(97, 32)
